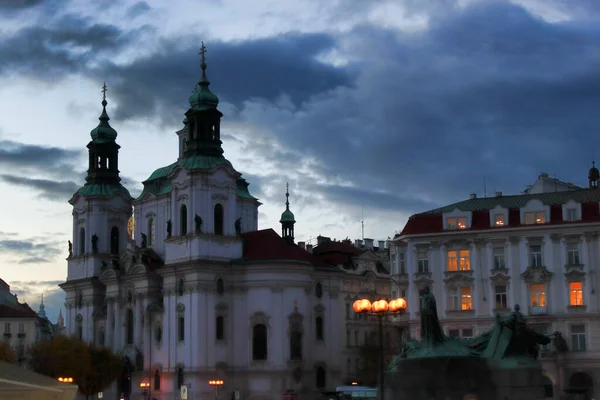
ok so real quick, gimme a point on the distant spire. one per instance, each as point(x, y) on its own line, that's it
point(42, 310)
point(287, 218)
point(287, 196)
point(60, 321)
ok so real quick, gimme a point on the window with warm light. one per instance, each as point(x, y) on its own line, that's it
point(499, 220)
point(466, 299)
point(535, 217)
point(538, 294)
point(459, 260)
point(499, 258)
point(535, 256)
point(573, 254)
point(422, 261)
point(575, 293)
point(460, 299)
point(456, 223)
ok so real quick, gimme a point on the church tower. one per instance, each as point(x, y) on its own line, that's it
point(287, 218)
point(101, 212)
point(203, 119)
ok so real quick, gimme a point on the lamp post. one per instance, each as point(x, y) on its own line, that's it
point(65, 380)
point(145, 386)
point(380, 308)
point(216, 384)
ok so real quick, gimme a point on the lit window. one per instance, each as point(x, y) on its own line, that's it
point(535, 256)
point(499, 259)
point(538, 294)
point(573, 254)
point(462, 223)
point(537, 217)
point(499, 219)
point(451, 223)
point(575, 293)
point(459, 260)
point(466, 299)
point(456, 223)
point(571, 214)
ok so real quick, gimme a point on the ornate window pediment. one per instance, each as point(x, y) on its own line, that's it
point(458, 280)
point(259, 317)
point(537, 274)
point(180, 307)
point(319, 309)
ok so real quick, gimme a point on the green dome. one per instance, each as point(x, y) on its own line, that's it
point(287, 216)
point(203, 98)
point(103, 132)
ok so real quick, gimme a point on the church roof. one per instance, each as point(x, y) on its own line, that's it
point(103, 189)
point(267, 245)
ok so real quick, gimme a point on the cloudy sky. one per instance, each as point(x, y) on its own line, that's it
point(393, 107)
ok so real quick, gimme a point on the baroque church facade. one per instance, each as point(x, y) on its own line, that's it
point(195, 292)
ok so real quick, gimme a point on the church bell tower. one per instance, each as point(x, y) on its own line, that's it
point(287, 218)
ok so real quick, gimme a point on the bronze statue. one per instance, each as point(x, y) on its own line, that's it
point(238, 226)
point(95, 243)
point(70, 248)
point(198, 224)
point(144, 240)
point(431, 331)
point(169, 229)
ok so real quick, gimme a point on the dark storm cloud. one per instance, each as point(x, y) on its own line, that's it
point(263, 68)
point(29, 251)
point(19, 4)
point(56, 160)
point(49, 189)
point(489, 92)
point(138, 9)
point(62, 46)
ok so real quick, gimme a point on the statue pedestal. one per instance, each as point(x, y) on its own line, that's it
point(465, 378)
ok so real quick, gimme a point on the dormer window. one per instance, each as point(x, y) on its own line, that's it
point(535, 217)
point(457, 223)
point(571, 214)
point(499, 220)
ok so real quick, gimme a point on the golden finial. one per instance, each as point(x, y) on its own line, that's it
point(203, 56)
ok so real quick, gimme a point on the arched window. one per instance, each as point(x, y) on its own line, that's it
point(220, 328)
point(80, 331)
point(296, 345)
point(150, 231)
point(101, 338)
point(156, 380)
point(183, 220)
point(319, 327)
point(81, 241)
point(321, 378)
point(179, 377)
point(259, 342)
point(114, 240)
point(181, 328)
point(318, 290)
point(218, 217)
point(220, 286)
point(129, 326)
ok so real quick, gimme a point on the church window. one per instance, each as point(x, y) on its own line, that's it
point(156, 380)
point(79, 300)
point(99, 163)
point(114, 240)
point(181, 287)
point(259, 342)
point(318, 290)
point(218, 217)
point(220, 286)
point(319, 327)
point(80, 331)
point(107, 163)
point(150, 231)
point(129, 296)
point(101, 338)
point(192, 133)
point(321, 377)
point(158, 334)
point(296, 345)
point(130, 323)
point(220, 327)
point(183, 220)
point(181, 328)
point(179, 377)
point(81, 241)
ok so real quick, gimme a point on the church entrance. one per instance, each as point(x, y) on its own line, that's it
point(124, 384)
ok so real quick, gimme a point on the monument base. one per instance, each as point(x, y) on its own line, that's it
point(465, 378)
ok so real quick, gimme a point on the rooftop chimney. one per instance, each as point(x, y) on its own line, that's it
point(309, 248)
point(322, 239)
point(381, 244)
point(473, 195)
point(302, 245)
point(498, 194)
point(358, 243)
point(369, 244)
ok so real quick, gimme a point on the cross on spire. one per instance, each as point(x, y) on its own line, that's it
point(287, 196)
point(203, 56)
point(104, 89)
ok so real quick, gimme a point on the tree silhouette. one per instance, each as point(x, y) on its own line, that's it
point(7, 353)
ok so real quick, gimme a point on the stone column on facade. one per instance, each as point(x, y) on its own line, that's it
point(118, 331)
point(513, 262)
point(137, 332)
point(108, 326)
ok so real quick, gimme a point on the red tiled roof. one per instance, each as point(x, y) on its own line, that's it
point(337, 247)
point(22, 312)
point(266, 244)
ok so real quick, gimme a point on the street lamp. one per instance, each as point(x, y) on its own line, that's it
point(65, 380)
point(216, 384)
point(380, 308)
point(145, 386)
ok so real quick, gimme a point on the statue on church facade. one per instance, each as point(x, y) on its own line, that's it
point(70, 248)
point(169, 229)
point(144, 240)
point(238, 226)
point(95, 243)
point(197, 224)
